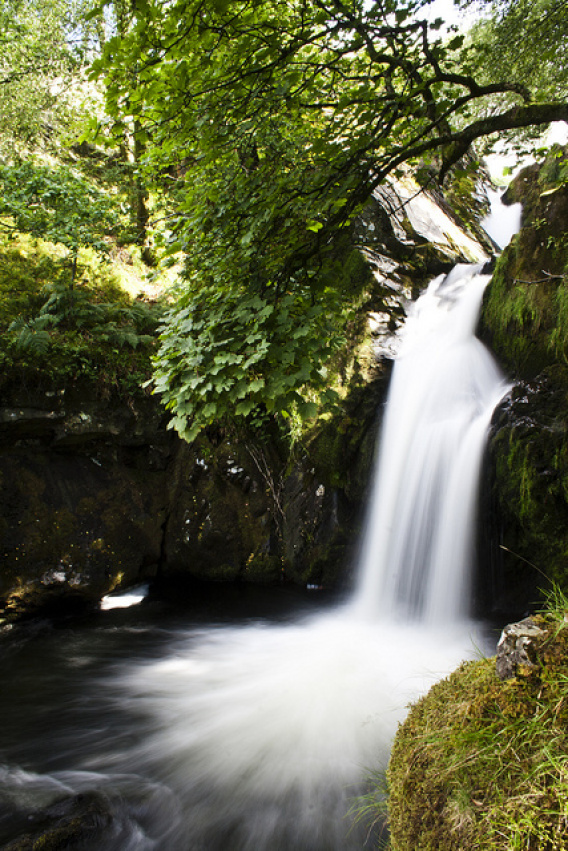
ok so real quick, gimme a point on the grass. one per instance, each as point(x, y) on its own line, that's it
point(483, 764)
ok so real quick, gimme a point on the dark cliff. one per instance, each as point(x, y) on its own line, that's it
point(525, 321)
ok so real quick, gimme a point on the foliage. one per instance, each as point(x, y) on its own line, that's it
point(481, 763)
point(94, 331)
point(224, 357)
point(40, 72)
point(271, 123)
point(24, 269)
point(506, 41)
point(57, 205)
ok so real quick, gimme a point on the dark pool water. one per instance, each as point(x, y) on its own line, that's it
point(233, 720)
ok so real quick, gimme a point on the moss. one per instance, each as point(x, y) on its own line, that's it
point(525, 312)
point(481, 763)
point(525, 320)
point(263, 568)
point(531, 481)
point(527, 315)
point(342, 448)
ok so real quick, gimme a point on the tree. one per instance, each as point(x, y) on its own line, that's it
point(524, 40)
point(275, 121)
point(59, 206)
point(41, 56)
point(115, 21)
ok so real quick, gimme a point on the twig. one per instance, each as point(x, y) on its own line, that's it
point(549, 277)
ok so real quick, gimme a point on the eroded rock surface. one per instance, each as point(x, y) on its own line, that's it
point(516, 650)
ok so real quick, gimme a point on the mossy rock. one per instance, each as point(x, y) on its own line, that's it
point(525, 321)
point(74, 822)
point(222, 516)
point(481, 763)
point(264, 568)
point(525, 312)
point(529, 451)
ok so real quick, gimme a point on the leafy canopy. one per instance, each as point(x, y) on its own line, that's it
point(524, 40)
point(41, 57)
point(271, 122)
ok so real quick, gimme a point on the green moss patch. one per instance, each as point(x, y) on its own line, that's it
point(483, 764)
point(526, 307)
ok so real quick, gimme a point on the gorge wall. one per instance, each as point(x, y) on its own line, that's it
point(98, 495)
point(480, 759)
point(525, 322)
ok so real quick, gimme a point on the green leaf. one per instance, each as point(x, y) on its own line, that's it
point(307, 410)
point(256, 384)
point(244, 408)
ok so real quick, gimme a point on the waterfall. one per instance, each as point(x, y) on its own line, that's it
point(503, 220)
point(270, 728)
point(416, 559)
point(258, 735)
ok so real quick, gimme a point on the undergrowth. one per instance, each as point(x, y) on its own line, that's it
point(93, 329)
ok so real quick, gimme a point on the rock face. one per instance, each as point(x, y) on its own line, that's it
point(516, 652)
point(82, 501)
point(97, 494)
point(525, 321)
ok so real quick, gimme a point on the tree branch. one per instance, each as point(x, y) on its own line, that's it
point(519, 116)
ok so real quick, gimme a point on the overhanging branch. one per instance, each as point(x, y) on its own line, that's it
point(528, 115)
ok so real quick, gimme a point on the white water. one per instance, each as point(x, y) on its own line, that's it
point(257, 737)
point(417, 556)
point(270, 730)
point(503, 221)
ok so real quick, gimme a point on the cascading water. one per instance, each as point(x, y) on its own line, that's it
point(258, 736)
point(417, 554)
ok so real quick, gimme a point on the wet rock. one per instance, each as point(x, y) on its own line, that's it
point(73, 822)
point(526, 516)
point(422, 217)
point(525, 322)
point(223, 515)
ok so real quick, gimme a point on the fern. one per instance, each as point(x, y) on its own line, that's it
point(117, 335)
point(31, 336)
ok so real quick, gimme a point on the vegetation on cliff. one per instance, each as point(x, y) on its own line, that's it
point(525, 319)
point(247, 138)
point(482, 762)
point(54, 333)
point(526, 311)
